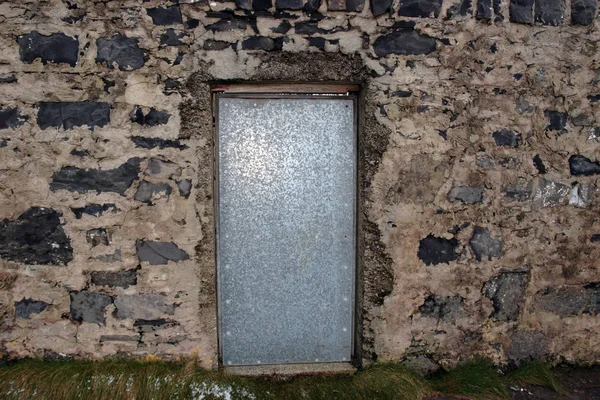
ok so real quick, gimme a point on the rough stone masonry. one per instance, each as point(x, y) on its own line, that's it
point(479, 148)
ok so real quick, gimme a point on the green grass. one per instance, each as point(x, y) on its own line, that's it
point(128, 380)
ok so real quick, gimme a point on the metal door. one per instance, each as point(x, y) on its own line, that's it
point(285, 223)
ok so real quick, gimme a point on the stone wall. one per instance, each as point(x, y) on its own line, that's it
point(479, 229)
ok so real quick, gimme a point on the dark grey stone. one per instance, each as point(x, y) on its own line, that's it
point(317, 42)
point(159, 253)
point(151, 143)
point(442, 308)
point(595, 238)
point(57, 48)
point(283, 27)
point(404, 42)
point(260, 43)
point(11, 118)
point(121, 50)
point(154, 117)
point(26, 307)
point(521, 190)
point(583, 120)
point(8, 79)
point(569, 300)
point(243, 4)
point(549, 12)
point(162, 169)
point(185, 187)
point(262, 5)
point(3, 143)
point(539, 164)
point(142, 306)
point(311, 5)
point(506, 292)
point(521, 11)
point(557, 121)
point(550, 194)
point(119, 338)
point(379, 7)
point(435, 250)
point(192, 23)
point(498, 17)
point(484, 9)
point(148, 192)
point(228, 25)
point(580, 165)
point(308, 28)
point(288, 4)
point(97, 236)
point(484, 245)
point(69, 115)
point(467, 194)
point(355, 5)
point(152, 325)
point(420, 8)
point(484, 162)
point(165, 15)
point(523, 106)
point(95, 210)
point(506, 137)
point(527, 346)
point(89, 307)
point(36, 237)
point(172, 38)
point(81, 180)
point(583, 12)
point(124, 278)
point(210, 44)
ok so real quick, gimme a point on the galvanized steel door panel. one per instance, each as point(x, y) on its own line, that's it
point(286, 190)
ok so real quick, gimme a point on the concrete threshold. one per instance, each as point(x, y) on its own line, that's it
point(344, 368)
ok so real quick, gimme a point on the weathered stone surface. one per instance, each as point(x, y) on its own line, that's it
point(582, 195)
point(25, 307)
point(463, 8)
point(185, 187)
point(119, 338)
point(165, 15)
point(312, 5)
point(550, 194)
point(467, 194)
point(36, 237)
point(243, 4)
point(557, 121)
point(147, 192)
point(506, 137)
point(122, 50)
point(152, 118)
point(151, 143)
point(157, 253)
point(421, 364)
point(109, 258)
point(580, 165)
point(404, 42)
point(172, 38)
point(95, 210)
point(97, 236)
point(443, 308)
point(89, 307)
point(123, 278)
point(484, 245)
point(81, 180)
point(435, 250)
point(72, 114)
point(420, 8)
point(506, 291)
point(569, 300)
point(288, 4)
point(336, 5)
point(11, 118)
point(539, 164)
point(142, 306)
point(521, 190)
point(262, 43)
point(550, 12)
point(162, 169)
point(57, 48)
point(379, 7)
point(521, 11)
point(484, 9)
point(527, 346)
point(583, 12)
